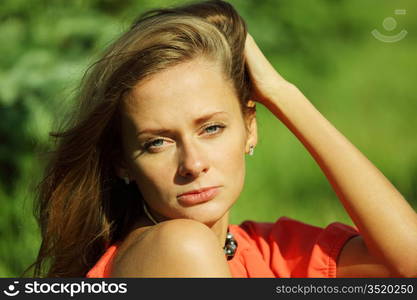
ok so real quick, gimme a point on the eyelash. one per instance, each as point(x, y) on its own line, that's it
point(148, 145)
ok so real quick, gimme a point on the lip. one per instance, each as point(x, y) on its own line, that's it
point(198, 190)
point(198, 196)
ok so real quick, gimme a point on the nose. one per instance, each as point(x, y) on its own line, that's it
point(192, 161)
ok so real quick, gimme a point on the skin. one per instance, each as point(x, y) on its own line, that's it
point(188, 156)
point(388, 225)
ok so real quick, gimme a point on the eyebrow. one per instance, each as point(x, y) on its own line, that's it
point(197, 121)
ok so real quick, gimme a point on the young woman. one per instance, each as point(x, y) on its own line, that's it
point(143, 179)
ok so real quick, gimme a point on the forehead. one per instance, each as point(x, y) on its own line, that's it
point(187, 90)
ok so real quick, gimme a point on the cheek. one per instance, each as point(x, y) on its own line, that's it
point(231, 158)
point(233, 170)
point(150, 176)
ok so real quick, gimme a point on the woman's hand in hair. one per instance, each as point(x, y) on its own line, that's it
point(267, 83)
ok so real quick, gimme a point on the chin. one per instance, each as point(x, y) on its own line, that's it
point(208, 213)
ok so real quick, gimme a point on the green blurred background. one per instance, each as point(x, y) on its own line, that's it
point(364, 86)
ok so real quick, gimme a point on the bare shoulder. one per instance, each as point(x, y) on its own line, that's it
point(174, 248)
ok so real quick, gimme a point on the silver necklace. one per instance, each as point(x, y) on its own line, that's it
point(230, 244)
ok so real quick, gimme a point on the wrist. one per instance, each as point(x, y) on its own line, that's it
point(280, 92)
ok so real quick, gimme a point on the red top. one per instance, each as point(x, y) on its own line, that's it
point(286, 248)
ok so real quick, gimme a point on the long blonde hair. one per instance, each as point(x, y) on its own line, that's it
point(82, 206)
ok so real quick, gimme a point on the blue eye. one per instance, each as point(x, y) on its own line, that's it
point(214, 126)
point(157, 143)
point(153, 143)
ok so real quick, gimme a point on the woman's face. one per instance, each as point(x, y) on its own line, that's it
point(183, 130)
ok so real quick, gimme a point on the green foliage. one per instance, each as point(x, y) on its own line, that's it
point(363, 86)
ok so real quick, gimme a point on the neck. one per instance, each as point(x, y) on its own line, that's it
point(220, 228)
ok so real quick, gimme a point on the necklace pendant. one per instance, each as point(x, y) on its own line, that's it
point(230, 246)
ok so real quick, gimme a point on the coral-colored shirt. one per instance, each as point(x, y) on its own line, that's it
point(286, 248)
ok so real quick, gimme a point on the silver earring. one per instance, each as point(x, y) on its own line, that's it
point(126, 179)
point(251, 149)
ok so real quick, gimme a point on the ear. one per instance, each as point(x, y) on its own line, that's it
point(252, 137)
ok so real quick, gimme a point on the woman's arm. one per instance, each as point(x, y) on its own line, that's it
point(386, 221)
